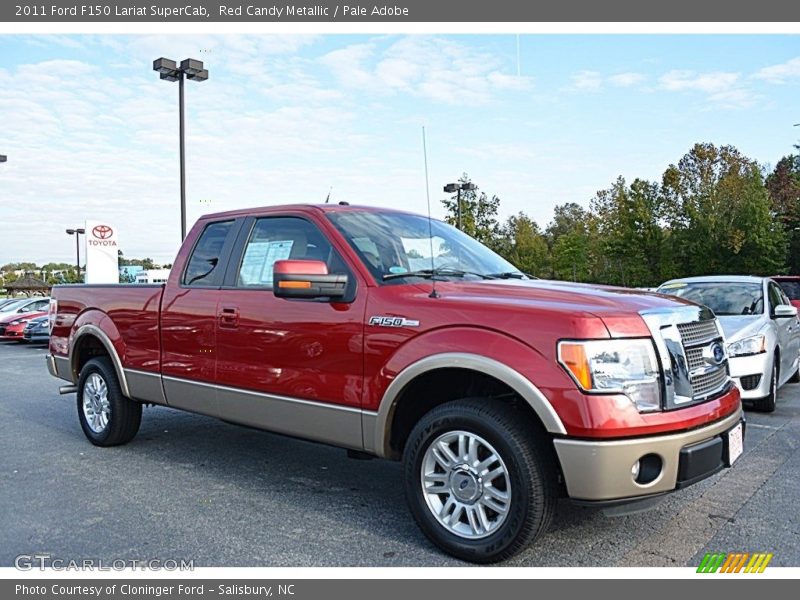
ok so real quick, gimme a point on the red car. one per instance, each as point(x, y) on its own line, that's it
point(398, 336)
point(790, 284)
point(11, 328)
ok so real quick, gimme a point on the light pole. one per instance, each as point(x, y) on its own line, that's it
point(457, 187)
point(170, 71)
point(77, 233)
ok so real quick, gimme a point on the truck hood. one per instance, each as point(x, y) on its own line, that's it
point(618, 308)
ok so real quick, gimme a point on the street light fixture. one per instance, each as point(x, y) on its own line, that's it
point(458, 187)
point(169, 70)
point(77, 233)
point(3, 158)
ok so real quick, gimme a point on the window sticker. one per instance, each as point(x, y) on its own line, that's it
point(259, 260)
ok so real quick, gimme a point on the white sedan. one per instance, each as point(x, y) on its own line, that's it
point(761, 330)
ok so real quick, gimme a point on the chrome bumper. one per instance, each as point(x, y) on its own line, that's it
point(601, 470)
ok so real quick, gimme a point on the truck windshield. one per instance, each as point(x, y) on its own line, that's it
point(391, 244)
point(723, 297)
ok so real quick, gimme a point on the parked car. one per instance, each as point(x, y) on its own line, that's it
point(24, 306)
point(11, 328)
point(498, 393)
point(6, 302)
point(761, 327)
point(37, 330)
point(790, 284)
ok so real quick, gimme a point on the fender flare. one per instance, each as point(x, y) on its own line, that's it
point(101, 335)
point(382, 420)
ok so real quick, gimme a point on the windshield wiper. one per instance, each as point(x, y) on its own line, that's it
point(508, 275)
point(430, 273)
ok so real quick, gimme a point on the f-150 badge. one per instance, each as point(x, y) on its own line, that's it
point(383, 321)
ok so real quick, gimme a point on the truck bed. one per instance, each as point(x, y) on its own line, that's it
point(132, 308)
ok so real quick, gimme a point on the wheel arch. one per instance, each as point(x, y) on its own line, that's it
point(90, 341)
point(381, 428)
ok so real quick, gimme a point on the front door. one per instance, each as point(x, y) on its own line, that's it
point(289, 365)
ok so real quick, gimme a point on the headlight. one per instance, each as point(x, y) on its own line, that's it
point(19, 321)
point(626, 367)
point(755, 344)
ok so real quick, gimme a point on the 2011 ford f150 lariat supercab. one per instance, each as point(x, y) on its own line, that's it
point(393, 335)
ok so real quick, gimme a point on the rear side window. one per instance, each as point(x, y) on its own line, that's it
point(791, 289)
point(203, 268)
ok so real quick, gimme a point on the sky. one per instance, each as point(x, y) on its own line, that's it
point(539, 120)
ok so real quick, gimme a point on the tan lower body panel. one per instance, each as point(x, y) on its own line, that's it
point(601, 470)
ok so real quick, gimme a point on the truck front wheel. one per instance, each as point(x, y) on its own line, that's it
point(107, 417)
point(477, 479)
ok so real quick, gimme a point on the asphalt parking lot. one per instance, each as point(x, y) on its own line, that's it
point(192, 487)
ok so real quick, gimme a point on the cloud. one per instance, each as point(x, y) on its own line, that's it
point(681, 80)
point(723, 89)
point(628, 79)
point(589, 81)
point(780, 73)
point(440, 70)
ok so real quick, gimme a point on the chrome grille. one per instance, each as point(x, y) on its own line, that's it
point(699, 332)
point(708, 383)
point(683, 336)
point(694, 358)
point(705, 378)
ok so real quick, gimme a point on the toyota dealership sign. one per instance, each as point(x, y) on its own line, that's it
point(102, 265)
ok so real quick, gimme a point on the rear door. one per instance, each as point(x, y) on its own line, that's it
point(290, 365)
point(189, 320)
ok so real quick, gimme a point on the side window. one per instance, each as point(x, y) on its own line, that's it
point(280, 238)
point(775, 297)
point(203, 268)
point(41, 305)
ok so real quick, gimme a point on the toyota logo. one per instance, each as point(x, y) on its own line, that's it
point(102, 232)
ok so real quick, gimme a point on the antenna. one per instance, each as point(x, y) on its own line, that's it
point(433, 293)
point(328, 197)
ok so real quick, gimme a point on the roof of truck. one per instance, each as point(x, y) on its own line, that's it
point(326, 208)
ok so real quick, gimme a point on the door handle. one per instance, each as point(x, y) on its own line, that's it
point(229, 317)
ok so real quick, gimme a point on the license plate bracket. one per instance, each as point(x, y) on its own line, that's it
point(734, 444)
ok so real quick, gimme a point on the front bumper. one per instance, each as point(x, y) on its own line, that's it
point(600, 471)
point(749, 370)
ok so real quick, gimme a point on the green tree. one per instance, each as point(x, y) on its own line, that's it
point(572, 237)
point(630, 237)
point(478, 214)
point(783, 186)
point(522, 243)
point(718, 212)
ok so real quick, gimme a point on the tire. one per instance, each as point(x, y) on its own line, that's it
point(107, 417)
point(767, 404)
point(795, 378)
point(524, 475)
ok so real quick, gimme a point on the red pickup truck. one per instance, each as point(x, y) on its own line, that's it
point(400, 337)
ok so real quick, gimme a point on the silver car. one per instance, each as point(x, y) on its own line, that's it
point(761, 329)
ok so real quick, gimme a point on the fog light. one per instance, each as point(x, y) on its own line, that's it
point(635, 469)
point(648, 469)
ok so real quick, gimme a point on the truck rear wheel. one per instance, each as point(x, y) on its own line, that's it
point(478, 481)
point(107, 417)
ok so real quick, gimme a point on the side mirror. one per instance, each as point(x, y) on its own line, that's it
point(784, 311)
point(306, 279)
